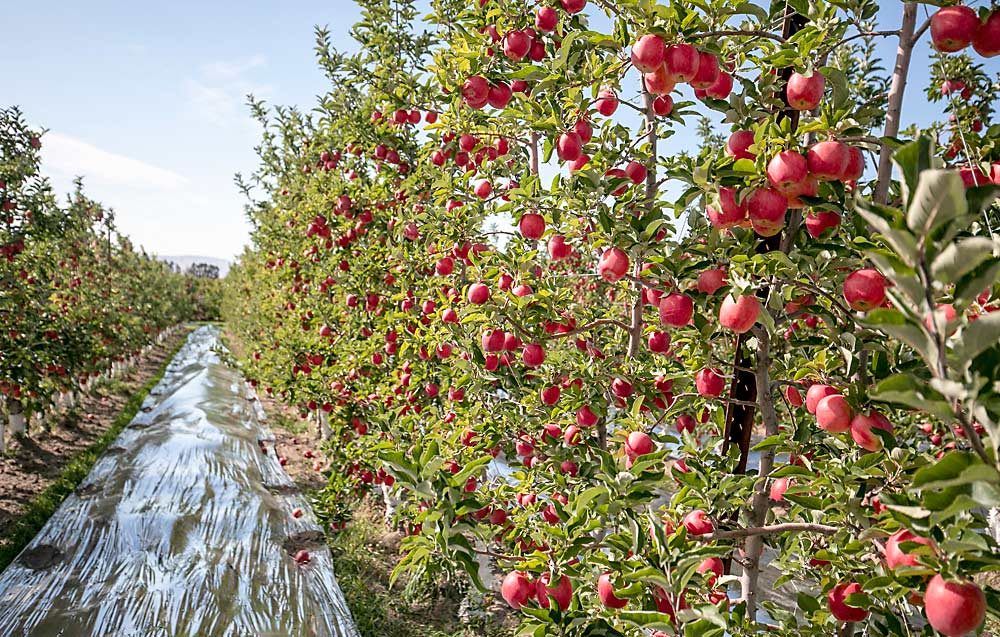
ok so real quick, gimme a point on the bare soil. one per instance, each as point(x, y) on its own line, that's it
point(33, 463)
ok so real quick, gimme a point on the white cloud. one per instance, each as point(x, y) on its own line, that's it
point(69, 157)
point(218, 93)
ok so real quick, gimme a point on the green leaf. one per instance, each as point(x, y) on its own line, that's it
point(954, 469)
point(938, 199)
point(958, 258)
point(905, 389)
point(881, 219)
point(895, 324)
point(912, 159)
point(807, 602)
point(977, 337)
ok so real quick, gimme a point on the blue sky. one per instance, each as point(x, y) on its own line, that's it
point(146, 100)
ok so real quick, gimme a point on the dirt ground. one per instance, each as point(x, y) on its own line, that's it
point(32, 464)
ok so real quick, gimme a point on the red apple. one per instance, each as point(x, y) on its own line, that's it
point(861, 432)
point(953, 28)
point(709, 281)
point(573, 6)
point(834, 414)
point(569, 146)
point(682, 62)
point(819, 221)
point(516, 589)
point(766, 208)
point(739, 314)
point(864, 290)
point(638, 444)
point(613, 265)
point(778, 488)
point(987, 39)
point(533, 355)
point(636, 171)
point(714, 566)
point(828, 160)
point(478, 294)
point(606, 592)
point(804, 92)
point(562, 592)
point(816, 393)
point(709, 382)
point(855, 165)
point(787, 170)
point(708, 71)
point(659, 342)
point(484, 189)
point(663, 105)
point(607, 102)
point(739, 143)
point(516, 45)
point(546, 19)
point(953, 607)
point(697, 523)
point(531, 225)
point(895, 557)
point(676, 309)
point(558, 248)
point(648, 53)
point(839, 608)
point(722, 87)
point(659, 82)
point(585, 416)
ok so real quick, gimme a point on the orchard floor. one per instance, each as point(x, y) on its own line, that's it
point(184, 527)
point(32, 464)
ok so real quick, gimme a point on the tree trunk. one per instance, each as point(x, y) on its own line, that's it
point(15, 415)
point(896, 90)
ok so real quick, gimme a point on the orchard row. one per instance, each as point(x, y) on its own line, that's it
point(623, 301)
point(75, 296)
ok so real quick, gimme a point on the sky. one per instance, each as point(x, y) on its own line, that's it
point(148, 101)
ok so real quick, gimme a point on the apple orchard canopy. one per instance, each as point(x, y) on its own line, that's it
point(183, 527)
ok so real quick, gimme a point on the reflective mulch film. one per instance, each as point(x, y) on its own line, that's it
point(184, 527)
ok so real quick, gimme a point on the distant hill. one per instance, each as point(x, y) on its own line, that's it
point(185, 261)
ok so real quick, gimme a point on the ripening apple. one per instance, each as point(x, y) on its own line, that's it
point(531, 225)
point(659, 82)
point(739, 314)
point(663, 105)
point(787, 169)
point(562, 592)
point(558, 248)
point(546, 19)
point(516, 45)
point(484, 189)
point(804, 92)
point(953, 28)
point(475, 90)
point(864, 290)
point(658, 342)
point(682, 62)
point(676, 309)
point(739, 144)
point(550, 395)
point(572, 436)
point(622, 388)
point(729, 213)
point(585, 416)
point(819, 221)
point(573, 6)
point(766, 208)
point(987, 39)
point(697, 523)
point(816, 393)
point(722, 87)
point(828, 160)
point(709, 382)
point(569, 146)
point(533, 355)
point(713, 566)
point(954, 607)
point(710, 280)
point(778, 488)
point(607, 102)
point(834, 414)
point(638, 444)
point(861, 432)
point(613, 265)
point(479, 293)
point(708, 71)
point(839, 608)
point(516, 589)
point(896, 557)
point(636, 171)
point(606, 592)
point(855, 165)
point(648, 53)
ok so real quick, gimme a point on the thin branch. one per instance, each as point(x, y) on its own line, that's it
point(737, 32)
point(772, 529)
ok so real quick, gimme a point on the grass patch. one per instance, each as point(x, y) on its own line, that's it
point(40, 509)
point(364, 554)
